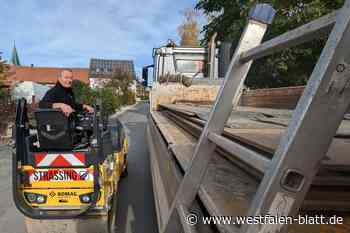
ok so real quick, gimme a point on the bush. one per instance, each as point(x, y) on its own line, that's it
point(131, 98)
point(145, 97)
point(3, 74)
point(83, 93)
point(2, 93)
point(110, 101)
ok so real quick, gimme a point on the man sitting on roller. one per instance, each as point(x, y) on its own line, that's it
point(61, 96)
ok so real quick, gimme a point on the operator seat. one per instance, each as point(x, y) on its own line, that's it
point(55, 131)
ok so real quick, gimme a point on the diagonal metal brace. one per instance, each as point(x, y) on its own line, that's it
point(229, 93)
point(310, 132)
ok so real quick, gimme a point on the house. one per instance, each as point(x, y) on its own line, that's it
point(141, 91)
point(102, 70)
point(43, 75)
point(23, 76)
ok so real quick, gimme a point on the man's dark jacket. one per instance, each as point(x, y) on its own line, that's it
point(60, 94)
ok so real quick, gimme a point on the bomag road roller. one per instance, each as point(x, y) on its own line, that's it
point(66, 170)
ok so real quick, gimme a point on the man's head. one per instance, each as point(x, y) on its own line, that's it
point(66, 78)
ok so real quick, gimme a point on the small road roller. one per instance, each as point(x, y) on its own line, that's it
point(66, 170)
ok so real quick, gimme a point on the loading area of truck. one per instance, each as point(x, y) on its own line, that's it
point(230, 183)
point(211, 157)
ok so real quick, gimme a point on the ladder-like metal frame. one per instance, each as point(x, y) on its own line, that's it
point(288, 176)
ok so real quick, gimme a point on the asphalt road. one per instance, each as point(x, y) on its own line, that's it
point(11, 220)
point(135, 212)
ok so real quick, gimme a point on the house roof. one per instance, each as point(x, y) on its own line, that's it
point(104, 68)
point(44, 75)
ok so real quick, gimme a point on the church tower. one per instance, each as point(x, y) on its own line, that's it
point(15, 58)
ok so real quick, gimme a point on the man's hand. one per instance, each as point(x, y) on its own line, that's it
point(88, 108)
point(65, 108)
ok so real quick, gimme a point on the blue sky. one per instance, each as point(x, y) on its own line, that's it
point(67, 33)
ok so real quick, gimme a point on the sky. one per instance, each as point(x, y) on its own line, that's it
point(67, 33)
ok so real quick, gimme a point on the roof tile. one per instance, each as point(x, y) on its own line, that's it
point(44, 75)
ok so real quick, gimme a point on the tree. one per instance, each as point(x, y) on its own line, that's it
point(288, 68)
point(188, 30)
point(110, 101)
point(121, 82)
point(6, 108)
point(113, 95)
point(83, 93)
point(3, 73)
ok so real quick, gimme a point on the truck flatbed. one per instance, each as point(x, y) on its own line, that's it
point(229, 186)
point(263, 128)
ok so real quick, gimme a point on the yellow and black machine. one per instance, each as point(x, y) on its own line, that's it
point(66, 170)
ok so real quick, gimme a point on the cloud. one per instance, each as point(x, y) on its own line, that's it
point(69, 33)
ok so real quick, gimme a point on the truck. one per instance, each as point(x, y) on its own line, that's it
point(218, 166)
point(65, 171)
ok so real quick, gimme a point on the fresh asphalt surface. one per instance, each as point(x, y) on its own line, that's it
point(135, 212)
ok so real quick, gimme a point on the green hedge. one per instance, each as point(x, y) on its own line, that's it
point(111, 101)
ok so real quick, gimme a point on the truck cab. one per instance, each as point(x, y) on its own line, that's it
point(188, 61)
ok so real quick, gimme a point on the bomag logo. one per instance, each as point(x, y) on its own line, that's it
point(66, 194)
